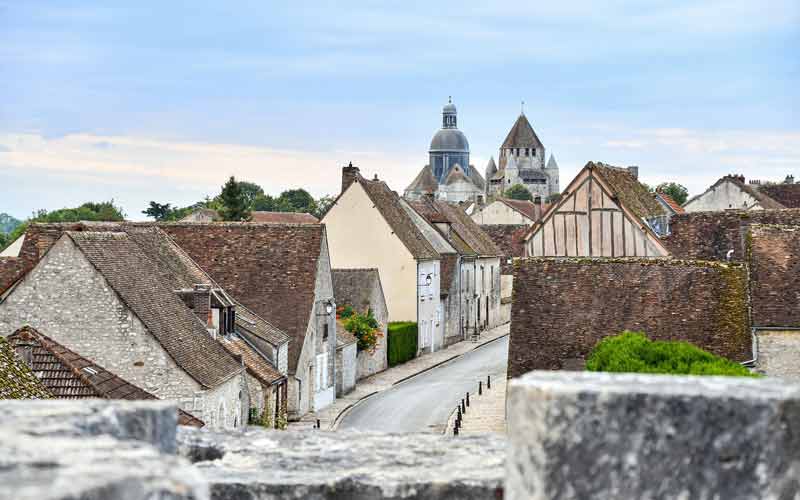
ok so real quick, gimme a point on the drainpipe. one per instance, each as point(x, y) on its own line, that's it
point(750, 363)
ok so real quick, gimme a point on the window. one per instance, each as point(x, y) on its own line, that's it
point(325, 331)
point(491, 269)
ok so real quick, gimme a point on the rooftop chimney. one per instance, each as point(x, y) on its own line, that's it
point(634, 171)
point(349, 175)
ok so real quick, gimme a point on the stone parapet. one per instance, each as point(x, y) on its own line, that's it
point(578, 435)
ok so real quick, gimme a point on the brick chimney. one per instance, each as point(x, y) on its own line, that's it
point(634, 171)
point(349, 175)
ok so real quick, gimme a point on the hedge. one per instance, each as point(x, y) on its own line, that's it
point(634, 352)
point(402, 342)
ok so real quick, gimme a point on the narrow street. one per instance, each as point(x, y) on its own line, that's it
point(423, 403)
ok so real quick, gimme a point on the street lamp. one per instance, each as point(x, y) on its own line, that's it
point(329, 308)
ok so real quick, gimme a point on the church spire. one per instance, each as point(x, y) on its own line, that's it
point(449, 114)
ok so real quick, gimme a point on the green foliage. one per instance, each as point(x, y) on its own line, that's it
point(365, 328)
point(234, 203)
point(634, 352)
point(675, 191)
point(553, 198)
point(8, 223)
point(402, 342)
point(518, 192)
point(345, 311)
point(158, 211)
point(297, 200)
point(323, 204)
point(250, 192)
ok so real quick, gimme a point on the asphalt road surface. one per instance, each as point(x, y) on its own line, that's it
point(424, 403)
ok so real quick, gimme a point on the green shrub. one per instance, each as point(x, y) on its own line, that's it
point(365, 328)
point(634, 352)
point(401, 342)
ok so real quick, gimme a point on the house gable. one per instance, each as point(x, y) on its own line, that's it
point(590, 221)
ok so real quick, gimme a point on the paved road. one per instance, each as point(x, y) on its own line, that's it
point(424, 402)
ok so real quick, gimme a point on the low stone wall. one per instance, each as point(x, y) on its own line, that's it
point(576, 436)
point(563, 306)
point(587, 436)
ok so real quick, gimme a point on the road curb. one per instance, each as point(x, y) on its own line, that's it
point(335, 425)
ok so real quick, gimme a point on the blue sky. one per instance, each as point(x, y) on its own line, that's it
point(164, 100)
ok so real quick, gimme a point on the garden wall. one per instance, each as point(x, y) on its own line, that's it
point(710, 235)
point(563, 307)
point(774, 258)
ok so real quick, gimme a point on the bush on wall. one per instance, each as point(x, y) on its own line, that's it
point(402, 342)
point(634, 352)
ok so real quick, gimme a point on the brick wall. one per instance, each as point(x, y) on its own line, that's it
point(563, 307)
point(774, 272)
point(709, 235)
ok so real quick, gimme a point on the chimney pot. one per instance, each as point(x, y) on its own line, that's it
point(634, 171)
point(349, 176)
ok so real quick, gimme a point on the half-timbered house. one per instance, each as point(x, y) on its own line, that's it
point(604, 212)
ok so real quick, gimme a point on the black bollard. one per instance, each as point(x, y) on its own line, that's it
point(463, 407)
point(467, 399)
point(455, 431)
point(480, 387)
point(488, 381)
point(318, 424)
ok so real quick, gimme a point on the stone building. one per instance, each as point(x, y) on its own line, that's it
point(362, 290)
point(732, 193)
point(508, 211)
point(473, 300)
point(282, 273)
point(346, 359)
point(448, 174)
point(65, 374)
point(522, 161)
point(98, 293)
point(369, 228)
point(510, 241)
point(605, 212)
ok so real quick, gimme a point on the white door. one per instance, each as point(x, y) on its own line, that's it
point(322, 371)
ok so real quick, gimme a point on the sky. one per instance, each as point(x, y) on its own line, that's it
point(164, 100)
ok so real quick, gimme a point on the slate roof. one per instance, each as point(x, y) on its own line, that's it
point(17, 381)
point(257, 363)
point(143, 289)
point(388, 204)
point(670, 202)
point(788, 195)
point(283, 217)
point(476, 178)
point(521, 135)
point(424, 182)
point(355, 287)
point(491, 167)
point(627, 188)
point(68, 375)
point(269, 268)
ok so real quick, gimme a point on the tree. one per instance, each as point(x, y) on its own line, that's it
point(158, 211)
point(250, 192)
point(323, 204)
point(518, 192)
point(674, 190)
point(234, 205)
point(264, 203)
point(297, 200)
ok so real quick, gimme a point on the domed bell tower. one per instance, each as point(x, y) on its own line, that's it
point(449, 146)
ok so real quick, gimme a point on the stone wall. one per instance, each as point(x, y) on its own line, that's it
point(774, 258)
point(778, 353)
point(563, 307)
point(346, 363)
point(710, 235)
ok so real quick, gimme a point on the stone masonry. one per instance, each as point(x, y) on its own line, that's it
point(563, 307)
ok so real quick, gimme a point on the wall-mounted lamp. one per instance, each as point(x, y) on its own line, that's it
point(329, 308)
point(428, 280)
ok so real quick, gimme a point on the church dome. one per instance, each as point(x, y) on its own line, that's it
point(450, 139)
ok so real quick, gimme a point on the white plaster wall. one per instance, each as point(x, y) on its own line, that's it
point(723, 197)
point(359, 237)
point(431, 313)
point(498, 212)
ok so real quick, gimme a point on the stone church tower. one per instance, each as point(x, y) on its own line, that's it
point(521, 161)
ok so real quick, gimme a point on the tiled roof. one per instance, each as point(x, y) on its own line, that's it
point(68, 375)
point(388, 204)
point(355, 287)
point(760, 195)
point(424, 182)
point(509, 239)
point(462, 224)
point(140, 285)
point(270, 268)
point(674, 205)
point(527, 208)
point(17, 381)
point(456, 174)
point(788, 195)
point(343, 337)
point(521, 135)
point(631, 193)
point(11, 270)
point(283, 217)
point(257, 364)
point(774, 267)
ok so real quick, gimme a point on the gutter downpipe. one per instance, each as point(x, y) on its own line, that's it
point(754, 332)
